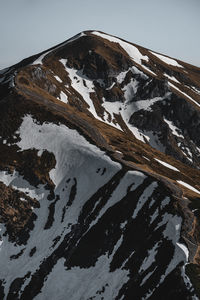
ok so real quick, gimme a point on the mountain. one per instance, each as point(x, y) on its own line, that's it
point(99, 174)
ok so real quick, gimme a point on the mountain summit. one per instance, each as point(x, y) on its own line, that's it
point(99, 174)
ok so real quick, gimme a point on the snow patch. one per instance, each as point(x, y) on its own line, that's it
point(63, 97)
point(39, 60)
point(175, 130)
point(167, 165)
point(130, 89)
point(131, 50)
point(149, 259)
point(83, 85)
point(147, 69)
point(196, 90)
point(112, 108)
point(146, 158)
point(58, 78)
point(185, 250)
point(175, 87)
point(153, 140)
point(145, 104)
point(171, 78)
point(144, 197)
point(188, 186)
point(167, 60)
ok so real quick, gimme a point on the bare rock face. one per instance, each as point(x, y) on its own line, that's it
point(99, 174)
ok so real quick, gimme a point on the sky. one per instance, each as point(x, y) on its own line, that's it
point(170, 27)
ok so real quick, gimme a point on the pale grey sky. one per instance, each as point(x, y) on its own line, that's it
point(167, 26)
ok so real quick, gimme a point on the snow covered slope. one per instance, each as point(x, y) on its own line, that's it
point(99, 174)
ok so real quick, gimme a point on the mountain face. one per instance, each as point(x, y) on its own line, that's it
point(99, 174)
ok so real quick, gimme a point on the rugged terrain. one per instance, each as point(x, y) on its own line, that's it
point(99, 174)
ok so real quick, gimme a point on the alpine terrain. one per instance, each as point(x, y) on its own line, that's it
point(99, 174)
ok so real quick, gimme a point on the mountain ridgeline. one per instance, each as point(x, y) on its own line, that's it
point(99, 174)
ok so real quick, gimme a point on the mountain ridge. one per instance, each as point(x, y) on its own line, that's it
point(90, 31)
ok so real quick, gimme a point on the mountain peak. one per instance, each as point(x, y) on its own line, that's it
point(100, 173)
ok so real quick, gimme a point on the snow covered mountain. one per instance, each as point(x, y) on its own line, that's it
point(99, 174)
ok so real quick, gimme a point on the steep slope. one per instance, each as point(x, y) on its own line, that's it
point(99, 173)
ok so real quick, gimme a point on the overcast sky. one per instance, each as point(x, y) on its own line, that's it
point(167, 26)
